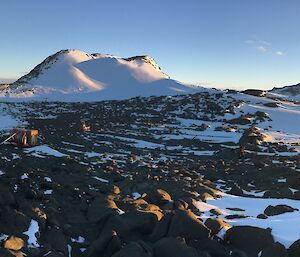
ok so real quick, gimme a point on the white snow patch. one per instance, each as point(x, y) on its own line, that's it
point(31, 233)
point(40, 151)
point(48, 192)
point(136, 195)
point(79, 240)
point(101, 179)
point(24, 176)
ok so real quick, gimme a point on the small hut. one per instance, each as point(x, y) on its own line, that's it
point(24, 137)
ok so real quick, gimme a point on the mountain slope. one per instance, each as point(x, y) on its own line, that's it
point(291, 92)
point(86, 76)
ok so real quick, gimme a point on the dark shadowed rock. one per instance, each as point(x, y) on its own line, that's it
point(255, 92)
point(249, 239)
point(135, 249)
point(294, 250)
point(236, 190)
point(162, 227)
point(215, 225)
point(278, 209)
point(57, 240)
point(212, 247)
point(185, 224)
point(274, 250)
point(158, 197)
point(55, 254)
point(100, 207)
point(172, 247)
point(262, 216)
point(236, 216)
point(6, 197)
point(5, 253)
point(132, 224)
point(108, 242)
point(272, 104)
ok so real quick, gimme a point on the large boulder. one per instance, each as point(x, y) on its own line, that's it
point(185, 224)
point(158, 197)
point(108, 242)
point(135, 249)
point(101, 207)
point(14, 243)
point(162, 227)
point(132, 224)
point(6, 197)
point(172, 247)
point(212, 247)
point(278, 209)
point(57, 240)
point(216, 224)
point(274, 250)
point(249, 239)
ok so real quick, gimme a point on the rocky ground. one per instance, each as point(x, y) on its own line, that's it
point(146, 180)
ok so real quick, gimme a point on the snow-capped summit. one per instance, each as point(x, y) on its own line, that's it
point(77, 75)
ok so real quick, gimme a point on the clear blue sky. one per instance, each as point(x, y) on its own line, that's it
point(222, 43)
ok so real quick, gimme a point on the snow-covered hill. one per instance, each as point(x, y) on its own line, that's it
point(77, 75)
point(289, 92)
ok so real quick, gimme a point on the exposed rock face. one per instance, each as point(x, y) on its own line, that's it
point(255, 92)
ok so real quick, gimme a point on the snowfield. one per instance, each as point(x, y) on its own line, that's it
point(283, 226)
